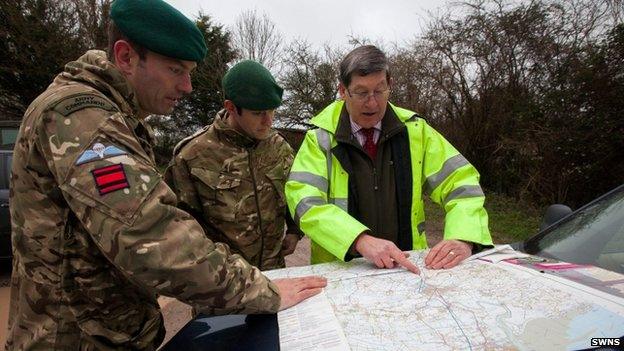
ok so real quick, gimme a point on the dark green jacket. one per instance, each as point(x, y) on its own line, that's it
point(372, 195)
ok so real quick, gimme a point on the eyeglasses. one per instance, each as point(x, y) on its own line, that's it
point(363, 96)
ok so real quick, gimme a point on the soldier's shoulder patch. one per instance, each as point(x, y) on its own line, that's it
point(110, 178)
point(99, 151)
point(78, 102)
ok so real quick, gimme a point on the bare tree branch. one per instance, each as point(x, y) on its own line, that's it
point(255, 37)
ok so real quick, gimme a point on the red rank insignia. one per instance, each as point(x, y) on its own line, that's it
point(110, 178)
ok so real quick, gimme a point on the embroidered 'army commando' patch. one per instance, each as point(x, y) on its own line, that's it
point(75, 103)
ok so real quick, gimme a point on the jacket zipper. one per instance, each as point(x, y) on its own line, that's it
point(376, 193)
point(253, 181)
point(375, 180)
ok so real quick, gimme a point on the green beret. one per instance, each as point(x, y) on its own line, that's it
point(251, 86)
point(159, 27)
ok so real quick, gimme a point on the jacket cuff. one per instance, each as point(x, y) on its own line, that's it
point(352, 252)
point(291, 227)
point(476, 247)
point(295, 231)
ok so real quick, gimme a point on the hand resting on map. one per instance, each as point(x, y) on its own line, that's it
point(448, 254)
point(294, 290)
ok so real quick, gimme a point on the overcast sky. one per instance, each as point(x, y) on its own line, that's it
point(325, 21)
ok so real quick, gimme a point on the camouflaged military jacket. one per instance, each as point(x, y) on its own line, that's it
point(236, 185)
point(96, 234)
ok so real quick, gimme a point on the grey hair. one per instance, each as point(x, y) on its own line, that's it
point(363, 61)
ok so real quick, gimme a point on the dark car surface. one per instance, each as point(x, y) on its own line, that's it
point(8, 134)
point(593, 234)
point(5, 222)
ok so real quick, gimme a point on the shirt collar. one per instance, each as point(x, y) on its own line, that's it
point(355, 128)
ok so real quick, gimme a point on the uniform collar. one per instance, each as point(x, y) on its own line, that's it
point(232, 136)
point(94, 68)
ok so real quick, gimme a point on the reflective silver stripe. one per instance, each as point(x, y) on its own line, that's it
point(341, 202)
point(305, 204)
point(322, 137)
point(421, 227)
point(310, 179)
point(463, 192)
point(449, 166)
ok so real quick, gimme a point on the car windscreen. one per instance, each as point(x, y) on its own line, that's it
point(593, 235)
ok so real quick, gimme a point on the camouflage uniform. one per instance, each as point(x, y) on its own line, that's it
point(236, 185)
point(96, 232)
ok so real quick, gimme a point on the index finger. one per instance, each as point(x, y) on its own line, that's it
point(433, 253)
point(399, 257)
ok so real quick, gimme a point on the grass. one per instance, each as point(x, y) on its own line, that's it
point(510, 220)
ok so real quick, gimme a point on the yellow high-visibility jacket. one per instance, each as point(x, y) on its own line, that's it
point(317, 190)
